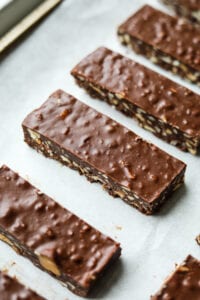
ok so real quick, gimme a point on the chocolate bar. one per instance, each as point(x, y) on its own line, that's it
point(160, 105)
point(183, 284)
point(189, 9)
point(198, 239)
point(170, 42)
point(50, 236)
point(78, 136)
point(11, 289)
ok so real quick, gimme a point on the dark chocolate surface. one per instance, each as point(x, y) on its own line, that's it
point(171, 35)
point(145, 88)
point(44, 227)
point(10, 289)
point(189, 4)
point(183, 284)
point(105, 144)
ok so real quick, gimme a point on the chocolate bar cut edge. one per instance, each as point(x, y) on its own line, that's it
point(111, 250)
point(183, 11)
point(10, 288)
point(159, 127)
point(183, 283)
point(158, 57)
point(51, 149)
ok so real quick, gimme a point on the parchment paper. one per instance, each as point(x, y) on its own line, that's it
point(36, 67)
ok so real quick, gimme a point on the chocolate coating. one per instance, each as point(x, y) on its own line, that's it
point(43, 227)
point(189, 9)
point(183, 284)
point(189, 4)
point(154, 93)
point(106, 145)
point(10, 289)
point(168, 34)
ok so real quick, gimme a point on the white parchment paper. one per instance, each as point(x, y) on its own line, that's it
point(28, 74)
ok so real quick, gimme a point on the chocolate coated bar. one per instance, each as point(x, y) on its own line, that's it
point(11, 289)
point(167, 109)
point(170, 42)
point(104, 151)
point(183, 284)
point(53, 238)
point(189, 9)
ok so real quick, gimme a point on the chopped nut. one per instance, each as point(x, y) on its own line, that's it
point(126, 105)
point(157, 129)
point(110, 96)
point(174, 142)
point(183, 269)
point(64, 114)
point(121, 194)
point(121, 38)
point(192, 151)
point(34, 135)
point(168, 131)
point(175, 70)
point(140, 117)
point(192, 77)
point(149, 128)
point(119, 96)
point(151, 118)
point(115, 101)
point(49, 264)
point(154, 59)
point(65, 159)
point(140, 111)
point(176, 63)
point(183, 67)
point(96, 178)
point(97, 90)
point(131, 198)
point(81, 78)
point(166, 59)
point(177, 186)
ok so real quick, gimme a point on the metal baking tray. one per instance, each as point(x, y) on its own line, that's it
point(17, 16)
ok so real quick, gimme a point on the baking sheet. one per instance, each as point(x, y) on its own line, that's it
point(33, 70)
point(13, 12)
